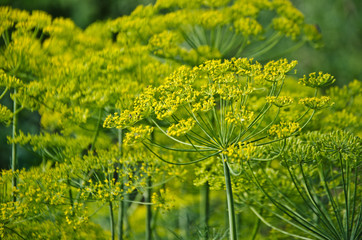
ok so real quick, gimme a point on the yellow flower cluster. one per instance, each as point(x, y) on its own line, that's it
point(163, 199)
point(239, 116)
point(284, 129)
point(313, 35)
point(276, 70)
point(126, 118)
point(248, 27)
point(181, 128)
point(137, 134)
point(177, 29)
point(166, 44)
point(5, 115)
point(38, 188)
point(320, 80)
point(316, 103)
point(10, 211)
point(105, 191)
point(287, 27)
point(76, 215)
point(207, 104)
point(200, 88)
point(240, 151)
point(8, 81)
point(280, 101)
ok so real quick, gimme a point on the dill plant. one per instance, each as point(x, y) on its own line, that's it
point(76, 83)
point(220, 114)
point(315, 190)
point(206, 110)
point(192, 32)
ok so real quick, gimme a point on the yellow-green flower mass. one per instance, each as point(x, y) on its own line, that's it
point(284, 129)
point(320, 80)
point(280, 101)
point(316, 103)
point(135, 115)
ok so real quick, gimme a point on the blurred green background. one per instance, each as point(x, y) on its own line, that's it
point(340, 22)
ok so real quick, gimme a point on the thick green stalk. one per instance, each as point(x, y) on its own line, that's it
point(111, 219)
point(205, 208)
point(230, 200)
point(125, 217)
point(14, 158)
point(149, 209)
point(121, 203)
point(120, 219)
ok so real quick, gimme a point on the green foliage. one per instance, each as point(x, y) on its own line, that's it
point(137, 113)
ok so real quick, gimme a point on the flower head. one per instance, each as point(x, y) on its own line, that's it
point(320, 80)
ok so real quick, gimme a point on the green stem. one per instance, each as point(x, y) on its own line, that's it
point(120, 219)
point(14, 158)
point(230, 200)
point(4, 92)
point(257, 225)
point(345, 193)
point(205, 208)
point(121, 203)
point(97, 129)
point(149, 209)
point(70, 193)
point(111, 219)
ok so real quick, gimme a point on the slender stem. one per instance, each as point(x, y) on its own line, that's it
point(14, 232)
point(205, 208)
point(230, 200)
point(277, 229)
point(257, 225)
point(97, 129)
point(111, 219)
point(14, 158)
point(4, 92)
point(120, 219)
point(345, 191)
point(299, 219)
point(70, 192)
point(335, 206)
point(149, 209)
point(314, 205)
point(121, 203)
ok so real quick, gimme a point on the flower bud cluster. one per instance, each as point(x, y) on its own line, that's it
point(181, 128)
point(280, 101)
point(320, 80)
point(316, 103)
point(137, 134)
point(284, 129)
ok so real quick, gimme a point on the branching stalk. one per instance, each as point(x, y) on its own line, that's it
point(230, 200)
point(205, 208)
point(14, 157)
point(111, 219)
point(149, 209)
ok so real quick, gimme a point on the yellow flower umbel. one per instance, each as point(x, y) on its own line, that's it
point(217, 109)
point(163, 199)
point(320, 80)
point(316, 103)
point(284, 129)
point(137, 134)
point(239, 152)
point(280, 101)
point(192, 32)
point(182, 127)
